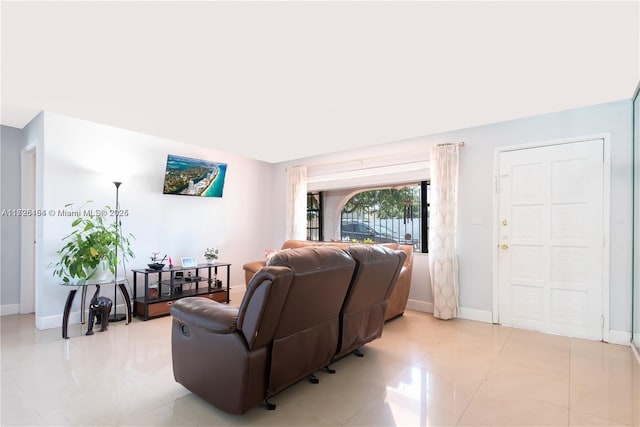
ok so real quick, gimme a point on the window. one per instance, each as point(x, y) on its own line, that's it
point(388, 215)
point(425, 193)
point(314, 216)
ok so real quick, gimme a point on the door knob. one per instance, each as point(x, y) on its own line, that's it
point(504, 246)
point(505, 222)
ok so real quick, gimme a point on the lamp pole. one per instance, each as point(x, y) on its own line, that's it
point(114, 317)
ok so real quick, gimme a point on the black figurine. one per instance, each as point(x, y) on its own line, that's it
point(99, 309)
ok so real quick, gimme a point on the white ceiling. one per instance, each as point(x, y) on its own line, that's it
point(277, 81)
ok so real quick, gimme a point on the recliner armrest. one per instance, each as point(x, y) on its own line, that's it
point(252, 268)
point(207, 314)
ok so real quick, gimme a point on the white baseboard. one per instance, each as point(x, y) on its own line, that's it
point(475, 314)
point(464, 313)
point(55, 321)
point(636, 353)
point(619, 337)
point(8, 309)
point(51, 322)
point(417, 305)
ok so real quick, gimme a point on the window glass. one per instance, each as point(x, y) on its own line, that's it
point(314, 216)
point(386, 215)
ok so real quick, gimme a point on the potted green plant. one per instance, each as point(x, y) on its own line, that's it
point(211, 255)
point(92, 244)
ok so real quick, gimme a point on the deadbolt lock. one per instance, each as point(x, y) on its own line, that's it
point(505, 222)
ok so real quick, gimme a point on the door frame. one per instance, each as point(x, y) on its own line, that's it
point(28, 195)
point(606, 218)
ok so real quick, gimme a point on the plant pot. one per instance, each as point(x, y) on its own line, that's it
point(100, 274)
point(211, 261)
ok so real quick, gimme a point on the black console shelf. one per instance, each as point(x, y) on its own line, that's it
point(160, 288)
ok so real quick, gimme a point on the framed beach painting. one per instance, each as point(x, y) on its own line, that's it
point(194, 177)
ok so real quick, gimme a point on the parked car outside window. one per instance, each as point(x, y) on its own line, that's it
point(350, 230)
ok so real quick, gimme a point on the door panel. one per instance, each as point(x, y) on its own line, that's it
point(551, 238)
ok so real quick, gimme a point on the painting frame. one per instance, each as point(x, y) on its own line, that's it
point(189, 176)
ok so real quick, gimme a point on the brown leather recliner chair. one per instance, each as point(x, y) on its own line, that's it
point(221, 353)
point(362, 315)
point(286, 328)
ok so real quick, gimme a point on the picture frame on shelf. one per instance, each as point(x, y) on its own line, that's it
point(188, 262)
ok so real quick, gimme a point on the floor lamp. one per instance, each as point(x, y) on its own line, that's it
point(115, 317)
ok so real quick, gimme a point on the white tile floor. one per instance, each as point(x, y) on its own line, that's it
point(422, 372)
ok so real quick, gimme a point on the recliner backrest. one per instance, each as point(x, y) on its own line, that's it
point(362, 315)
point(261, 306)
point(308, 330)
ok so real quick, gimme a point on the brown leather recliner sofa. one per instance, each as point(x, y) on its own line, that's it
point(397, 301)
point(306, 309)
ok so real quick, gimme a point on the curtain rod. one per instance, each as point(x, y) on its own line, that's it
point(386, 166)
point(460, 144)
point(320, 165)
point(356, 161)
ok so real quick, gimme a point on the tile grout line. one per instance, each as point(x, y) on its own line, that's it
point(570, 378)
point(582, 411)
point(485, 376)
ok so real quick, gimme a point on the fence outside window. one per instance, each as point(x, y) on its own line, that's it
point(378, 216)
point(383, 216)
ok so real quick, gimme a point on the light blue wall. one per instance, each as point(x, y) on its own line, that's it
point(477, 191)
point(11, 143)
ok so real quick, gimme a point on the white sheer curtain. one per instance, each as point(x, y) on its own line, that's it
point(297, 203)
point(443, 260)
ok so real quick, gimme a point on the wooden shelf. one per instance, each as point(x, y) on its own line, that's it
point(169, 288)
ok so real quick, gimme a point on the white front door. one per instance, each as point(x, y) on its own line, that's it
point(551, 238)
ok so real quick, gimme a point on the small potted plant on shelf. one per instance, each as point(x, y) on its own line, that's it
point(92, 249)
point(211, 255)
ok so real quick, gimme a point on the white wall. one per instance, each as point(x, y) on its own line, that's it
point(333, 204)
point(79, 161)
point(475, 221)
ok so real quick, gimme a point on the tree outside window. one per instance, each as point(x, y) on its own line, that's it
point(385, 215)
